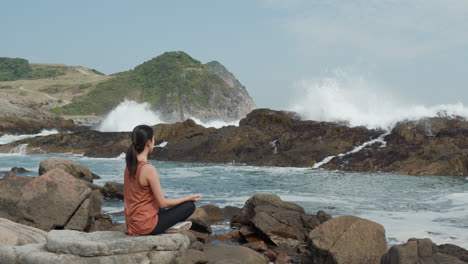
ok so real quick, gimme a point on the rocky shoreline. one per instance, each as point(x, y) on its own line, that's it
point(56, 217)
point(432, 146)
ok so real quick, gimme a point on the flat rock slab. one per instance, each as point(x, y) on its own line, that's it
point(38, 254)
point(14, 234)
point(105, 243)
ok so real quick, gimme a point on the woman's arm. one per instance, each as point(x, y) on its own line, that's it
point(151, 175)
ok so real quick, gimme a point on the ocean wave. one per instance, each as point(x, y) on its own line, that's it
point(5, 139)
point(355, 100)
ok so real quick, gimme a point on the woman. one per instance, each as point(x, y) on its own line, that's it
point(145, 204)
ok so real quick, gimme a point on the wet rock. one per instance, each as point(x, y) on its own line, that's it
point(281, 222)
point(233, 254)
point(73, 168)
point(347, 239)
point(113, 190)
point(66, 246)
point(431, 146)
point(214, 213)
point(19, 170)
point(200, 221)
point(417, 251)
point(14, 234)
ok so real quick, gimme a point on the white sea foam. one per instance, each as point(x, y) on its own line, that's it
point(215, 123)
point(21, 149)
point(380, 140)
point(128, 115)
point(355, 99)
point(5, 139)
point(162, 145)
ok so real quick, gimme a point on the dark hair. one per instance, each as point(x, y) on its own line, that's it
point(140, 135)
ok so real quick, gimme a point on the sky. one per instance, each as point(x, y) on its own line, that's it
point(412, 51)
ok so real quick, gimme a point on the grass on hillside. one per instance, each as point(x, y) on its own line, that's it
point(161, 81)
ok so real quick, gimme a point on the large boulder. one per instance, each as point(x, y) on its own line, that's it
point(54, 200)
point(73, 168)
point(221, 253)
point(277, 220)
point(66, 246)
point(14, 234)
point(416, 251)
point(113, 190)
point(347, 239)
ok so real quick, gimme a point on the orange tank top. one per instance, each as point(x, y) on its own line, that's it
point(141, 209)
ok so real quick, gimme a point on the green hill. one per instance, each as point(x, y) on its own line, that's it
point(12, 69)
point(174, 83)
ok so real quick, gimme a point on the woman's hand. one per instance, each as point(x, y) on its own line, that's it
point(194, 197)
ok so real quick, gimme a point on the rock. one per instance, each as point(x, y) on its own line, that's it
point(214, 213)
point(54, 200)
point(249, 234)
point(271, 255)
point(257, 246)
point(19, 170)
point(282, 258)
point(418, 251)
point(230, 211)
point(233, 254)
point(75, 169)
point(10, 195)
point(197, 245)
point(14, 234)
point(113, 190)
point(281, 222)
point(67, 246)
point(454, 250)
point(51, 200)
point(430, 146)
point(347, 239)
point(192, 256)
point(103, 222)
point(235, 235)
point(200, 221)
point(9, 174)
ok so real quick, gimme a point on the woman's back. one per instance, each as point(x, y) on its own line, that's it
point(141, 208)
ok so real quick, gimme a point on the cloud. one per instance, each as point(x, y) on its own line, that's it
point(380, 30)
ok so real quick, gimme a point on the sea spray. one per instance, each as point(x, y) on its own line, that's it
point(356, 100)
point(128, 115)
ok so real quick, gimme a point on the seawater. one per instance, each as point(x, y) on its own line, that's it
point(407, 206)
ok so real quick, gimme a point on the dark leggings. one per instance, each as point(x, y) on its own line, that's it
point(171, 216)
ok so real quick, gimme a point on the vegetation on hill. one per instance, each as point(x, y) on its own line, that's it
point(12, 69)
point(161, 81)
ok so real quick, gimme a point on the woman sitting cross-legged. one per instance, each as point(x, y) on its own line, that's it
point(147, 211)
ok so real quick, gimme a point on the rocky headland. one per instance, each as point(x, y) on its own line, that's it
point(432, 146)
point(56, 218)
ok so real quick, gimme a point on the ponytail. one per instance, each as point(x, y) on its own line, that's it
point(140, 135)
point(131, 159)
